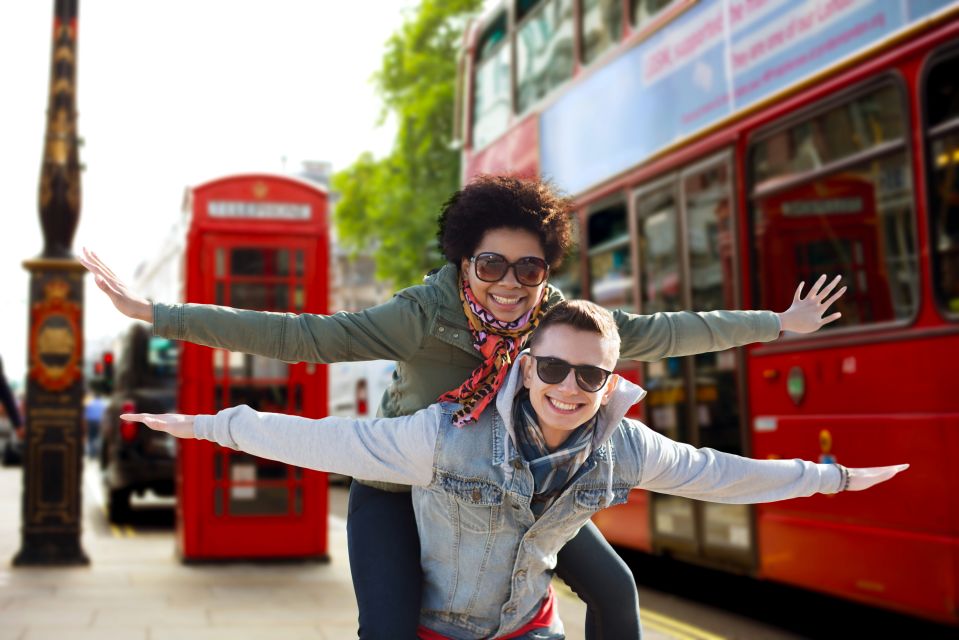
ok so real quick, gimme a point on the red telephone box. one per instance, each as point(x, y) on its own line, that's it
point(254, 242)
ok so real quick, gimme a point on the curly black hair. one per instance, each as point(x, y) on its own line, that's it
point(495, 202)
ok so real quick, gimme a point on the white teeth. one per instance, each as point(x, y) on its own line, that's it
point(564, 406)
point(502, 300)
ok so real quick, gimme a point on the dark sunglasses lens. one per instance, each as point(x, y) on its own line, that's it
point(490, 267)
point(551, 371)
point(590, 378)
point(530, 271)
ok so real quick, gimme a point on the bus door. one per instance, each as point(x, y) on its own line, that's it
point(686, 247)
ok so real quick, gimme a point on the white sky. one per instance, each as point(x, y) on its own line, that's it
point(171, 94)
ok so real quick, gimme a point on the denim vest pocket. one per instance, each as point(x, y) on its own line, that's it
point(594, 498)
point(476, 505)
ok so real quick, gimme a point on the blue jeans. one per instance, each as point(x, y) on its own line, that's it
point(384, 553)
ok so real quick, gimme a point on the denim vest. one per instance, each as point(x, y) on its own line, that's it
point(487, 562)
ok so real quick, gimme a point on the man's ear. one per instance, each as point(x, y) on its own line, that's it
point(526, 362)
point(610, 388)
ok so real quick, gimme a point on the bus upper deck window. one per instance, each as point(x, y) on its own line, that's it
point(645, 10)
point(602, 24)
point(942, 118)
point(491, 84)
point(544, 49)
point(833, 194)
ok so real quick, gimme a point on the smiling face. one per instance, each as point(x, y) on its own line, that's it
point(564, 406)
point(506, 299)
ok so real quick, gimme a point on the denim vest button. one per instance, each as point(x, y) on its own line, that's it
point(510, 610)
point(517, 464)
point(476, 495)
point(521, 574)
point(456, 335)
point(442, 329)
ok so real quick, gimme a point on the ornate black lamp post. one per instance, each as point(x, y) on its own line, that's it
point(53, 448)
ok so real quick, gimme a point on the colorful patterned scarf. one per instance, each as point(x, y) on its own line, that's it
point(499, 343)
point(552, 470)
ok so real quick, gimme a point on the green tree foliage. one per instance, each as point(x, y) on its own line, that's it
point(392, 203)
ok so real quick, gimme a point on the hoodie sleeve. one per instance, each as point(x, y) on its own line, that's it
point(679, 469)
point(396, 450)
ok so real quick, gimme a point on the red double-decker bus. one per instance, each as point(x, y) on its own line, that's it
point(721, 151)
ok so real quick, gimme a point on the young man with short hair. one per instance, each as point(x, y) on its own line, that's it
point(496, 501)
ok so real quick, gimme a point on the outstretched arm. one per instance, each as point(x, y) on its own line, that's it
point(683, 333)
point(388, 449)
point(390, 331)
point(705, 474)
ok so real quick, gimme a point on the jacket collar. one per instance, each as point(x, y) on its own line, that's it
point(625, 395)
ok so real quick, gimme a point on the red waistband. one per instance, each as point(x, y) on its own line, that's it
point(543, 619)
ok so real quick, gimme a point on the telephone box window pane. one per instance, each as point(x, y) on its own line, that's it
point(247, 468)
point(268, 398)
point(245, 365)
point(298, 502)
point(299, 297)
point(256, 261)
point(260, 296)
point(220, 300)
point(255, 500)
point(300, 262)
point(218, 465)
point(220, 260)
point(217, 501)
point(544, 51)
point(283, 262)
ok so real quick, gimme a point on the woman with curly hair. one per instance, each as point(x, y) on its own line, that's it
point(453, 338)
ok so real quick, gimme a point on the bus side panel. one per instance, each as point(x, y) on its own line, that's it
point(910, 572)
point(627, 525)
point(894, 544)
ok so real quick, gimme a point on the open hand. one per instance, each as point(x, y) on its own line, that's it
point(176, 424)
point(125, 300)
point(805, 315)
point(866, 477)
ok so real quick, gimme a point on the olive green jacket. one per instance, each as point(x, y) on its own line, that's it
point(423, 328)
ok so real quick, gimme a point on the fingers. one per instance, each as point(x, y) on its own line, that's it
point(95, 259)
point(831, 318)
point(834, 297)
point(814, 291)
point(829, 287)
point(798, 296)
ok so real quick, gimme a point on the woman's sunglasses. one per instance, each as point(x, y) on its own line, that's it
point(492, 267)
point(553, 371)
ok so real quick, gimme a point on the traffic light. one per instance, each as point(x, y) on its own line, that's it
point(108, 371)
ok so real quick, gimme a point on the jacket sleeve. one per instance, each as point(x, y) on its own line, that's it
point(684, 333)
point(396, 450)
point(393, 330)
point(679, 469)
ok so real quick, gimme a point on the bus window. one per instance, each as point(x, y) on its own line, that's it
point(833, 195)
point(491, 85)
point(544, 49)
point(645, 10)
point(610, 268)
point(602, 25)
point(568, 278)
point(942, 118)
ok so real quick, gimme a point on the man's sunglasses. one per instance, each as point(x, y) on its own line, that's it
point(492, 267)
point(553, 371)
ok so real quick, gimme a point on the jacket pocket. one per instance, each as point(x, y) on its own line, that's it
point(475, 505)
point(595, 498)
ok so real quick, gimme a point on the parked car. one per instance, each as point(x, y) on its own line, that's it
point(134, 458)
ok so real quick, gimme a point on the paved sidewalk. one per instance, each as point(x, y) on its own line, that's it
point(136, 589)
